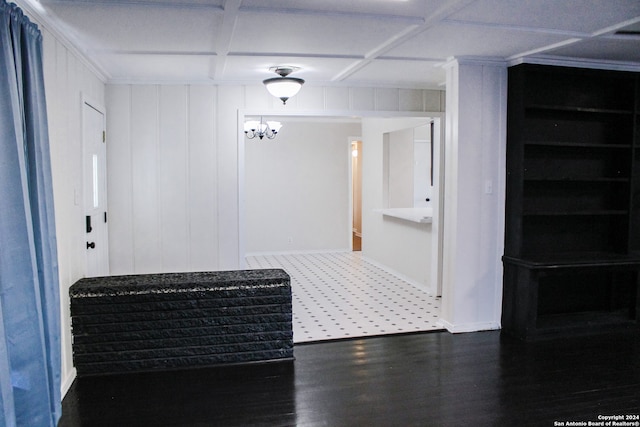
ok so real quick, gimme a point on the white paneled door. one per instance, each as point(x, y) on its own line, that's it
point(95, 191)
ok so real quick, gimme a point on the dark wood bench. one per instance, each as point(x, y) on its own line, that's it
point(180, 320)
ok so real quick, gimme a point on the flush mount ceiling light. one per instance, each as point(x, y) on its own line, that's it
point(260, 129)
point(283, 87)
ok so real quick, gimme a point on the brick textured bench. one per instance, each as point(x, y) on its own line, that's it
point(180, 320)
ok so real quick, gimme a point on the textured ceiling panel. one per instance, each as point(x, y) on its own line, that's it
point(426, 75)
point(122, 27)
point(414, 8)
point(568, 15)
point(158, 68)
point(335, 42)
point(619, 49)
point(311, 34)
point(445, 41)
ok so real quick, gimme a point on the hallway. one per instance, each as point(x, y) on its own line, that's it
point(341, 295)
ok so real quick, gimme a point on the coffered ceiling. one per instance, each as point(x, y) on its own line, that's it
point(382, 43)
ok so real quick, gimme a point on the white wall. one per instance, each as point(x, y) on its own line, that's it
point(67, 80)
point(163, 186)
point(474, 195)
point(400, 245)
point(176, 169)
point(297, 188)
point(399, 149)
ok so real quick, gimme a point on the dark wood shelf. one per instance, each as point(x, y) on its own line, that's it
point(577, 213)
point(574, 260)
point(572, 218)
point(563, 144)
point(577, 109)
point(578, 179)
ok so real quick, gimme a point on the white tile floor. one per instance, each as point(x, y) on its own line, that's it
point(340, 295)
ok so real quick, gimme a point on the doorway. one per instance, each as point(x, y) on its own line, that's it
point(266, 243)
point(356, 194)
point(95, 190)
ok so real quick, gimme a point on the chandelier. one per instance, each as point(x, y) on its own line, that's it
point(283, 87)
point(260, 129)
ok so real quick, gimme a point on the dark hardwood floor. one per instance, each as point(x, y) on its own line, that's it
point(429, 379)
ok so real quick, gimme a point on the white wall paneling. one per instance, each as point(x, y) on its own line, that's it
point(474, 232)
point(162, 178)
point(119, 178)
point(145, 156)
point(173, 177)
point(227, 134)
point(202, 178)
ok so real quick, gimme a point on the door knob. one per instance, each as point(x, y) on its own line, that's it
point(91, 245)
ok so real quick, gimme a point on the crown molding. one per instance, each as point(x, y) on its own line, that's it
point(50, 24)
point(559, 61)
point(577, 63)
point(492, 61)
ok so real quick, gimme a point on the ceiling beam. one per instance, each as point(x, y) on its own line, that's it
point(295, 55)
point(432, 18)
point(404, 19)
point(223, 38)
point(518, 28)
point(377, 51)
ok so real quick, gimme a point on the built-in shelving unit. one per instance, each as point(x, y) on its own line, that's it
point(572, 237)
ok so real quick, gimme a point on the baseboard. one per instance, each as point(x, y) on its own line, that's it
point(414, 283)
point(468, 327)
point(67, 381)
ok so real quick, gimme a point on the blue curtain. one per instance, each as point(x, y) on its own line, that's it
point(29, 289)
